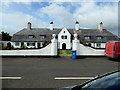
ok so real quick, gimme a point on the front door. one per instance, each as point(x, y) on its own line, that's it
point(22, 44)
point(64, 46)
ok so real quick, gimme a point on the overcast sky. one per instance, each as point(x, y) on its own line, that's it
point(15, 15)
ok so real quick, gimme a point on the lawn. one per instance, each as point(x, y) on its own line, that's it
point(59, 51)
point(68, 52)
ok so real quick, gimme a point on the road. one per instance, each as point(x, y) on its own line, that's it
point(38, 72)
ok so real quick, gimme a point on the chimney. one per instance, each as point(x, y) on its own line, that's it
point(29, 26)
point(100, 26)
point(51, 25)
point(77, 25)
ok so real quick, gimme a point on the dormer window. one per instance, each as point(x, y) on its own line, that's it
point(87, 37)
point(42, 36)
point(99, 37)
point(31, 36)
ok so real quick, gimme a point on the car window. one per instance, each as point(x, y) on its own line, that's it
point(110, 81)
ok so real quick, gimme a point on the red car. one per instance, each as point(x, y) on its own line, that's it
point(112, 49)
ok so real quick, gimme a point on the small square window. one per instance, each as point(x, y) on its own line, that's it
point(99, 37)
point(31, 36)
point(64, 37)
point(42, 36)
point(31, 44)
point(87, 37)
point(98, 45)
point(16, 43)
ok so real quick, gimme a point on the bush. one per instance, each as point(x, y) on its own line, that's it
point(23, 47)
point(46, 42)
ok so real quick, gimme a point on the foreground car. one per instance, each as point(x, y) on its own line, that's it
point(107, 81)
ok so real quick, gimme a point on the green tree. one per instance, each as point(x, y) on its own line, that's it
point(46, 42)
point(6, 36)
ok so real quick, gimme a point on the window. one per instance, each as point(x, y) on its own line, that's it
point(42, 36)
point(98, 45)
point(31, 36)
point(87, 37)
point(31, 44)
point(16, 43)
point(64, 37)
point(64, 31)
point(99, 37)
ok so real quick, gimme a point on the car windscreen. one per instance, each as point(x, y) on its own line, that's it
point(110, 81)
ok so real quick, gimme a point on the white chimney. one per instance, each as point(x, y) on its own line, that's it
point(100, 26)
point(51, 25)
point(77, 25)
point(29, 26)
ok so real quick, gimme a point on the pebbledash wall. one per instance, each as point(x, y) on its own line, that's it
point(82, 50)
point(49, 50)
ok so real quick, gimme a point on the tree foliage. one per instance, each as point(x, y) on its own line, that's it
point(6, 36)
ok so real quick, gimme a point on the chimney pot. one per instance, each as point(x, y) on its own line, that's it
point(100, 26)
point(51, 25)
point(29, 26)
point(77, 25)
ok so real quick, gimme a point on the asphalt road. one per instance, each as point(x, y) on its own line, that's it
point(40, 72)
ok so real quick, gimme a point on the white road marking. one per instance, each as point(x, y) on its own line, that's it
point(68, 78)
point(17, 78)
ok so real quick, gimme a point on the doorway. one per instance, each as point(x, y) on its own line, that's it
point(22, 44)
point(9, 44)
point(64, 46)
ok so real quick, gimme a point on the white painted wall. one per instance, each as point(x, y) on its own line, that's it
point(5, 42)
point(66, 41)
point(84, 50)
point(50, 50)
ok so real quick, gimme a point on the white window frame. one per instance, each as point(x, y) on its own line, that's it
point(87, 37)
point(17, 43)
point(98, 44)
point(64, 37)
point(31, 36)
point(42, 36)
point(30, 43)
point(99, 37)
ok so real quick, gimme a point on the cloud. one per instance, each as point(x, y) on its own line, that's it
point(13, 22)
point(59, 13)
point(88, 14)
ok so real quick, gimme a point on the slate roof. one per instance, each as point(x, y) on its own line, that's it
point(23, 34)
point(93, 33)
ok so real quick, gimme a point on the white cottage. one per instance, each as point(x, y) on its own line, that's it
point(34, 37)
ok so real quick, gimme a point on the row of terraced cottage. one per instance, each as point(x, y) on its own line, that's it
point(34, 37)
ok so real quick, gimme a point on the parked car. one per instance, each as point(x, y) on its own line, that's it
point(112, 49)
point(107, 81)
